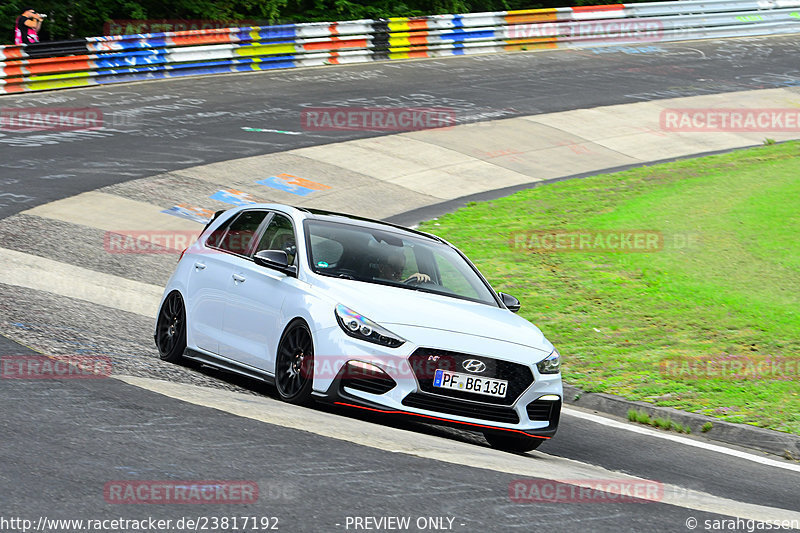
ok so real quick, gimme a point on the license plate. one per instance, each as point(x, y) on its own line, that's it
point(445, 379)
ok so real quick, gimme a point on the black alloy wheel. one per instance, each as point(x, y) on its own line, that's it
point(294, 367)
point(171, 329)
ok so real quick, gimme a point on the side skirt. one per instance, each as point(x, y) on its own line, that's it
point(226, 365)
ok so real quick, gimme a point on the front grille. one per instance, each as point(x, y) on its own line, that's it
point(544, 411)
point(494, 413)
point(425, 361)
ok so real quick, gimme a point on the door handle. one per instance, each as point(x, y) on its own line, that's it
point(200, 266)
point(239, 278)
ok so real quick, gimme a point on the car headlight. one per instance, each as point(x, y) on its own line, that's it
point(550, 365)
point(363, 328)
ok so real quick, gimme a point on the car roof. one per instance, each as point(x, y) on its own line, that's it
point(334, 216)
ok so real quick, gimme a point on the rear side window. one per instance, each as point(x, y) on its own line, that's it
point(237, 235)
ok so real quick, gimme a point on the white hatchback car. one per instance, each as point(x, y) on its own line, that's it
point(364, 314)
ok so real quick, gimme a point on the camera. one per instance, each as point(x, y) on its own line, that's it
point(42, 15)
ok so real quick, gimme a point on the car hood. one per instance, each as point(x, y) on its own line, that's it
point(389, 306)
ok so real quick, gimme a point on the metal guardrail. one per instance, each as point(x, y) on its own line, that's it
point(101, 60)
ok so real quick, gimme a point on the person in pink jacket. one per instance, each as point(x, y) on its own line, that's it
point(26, 29)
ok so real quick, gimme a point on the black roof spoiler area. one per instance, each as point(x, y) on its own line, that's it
point(215, 217)
point(323, 212)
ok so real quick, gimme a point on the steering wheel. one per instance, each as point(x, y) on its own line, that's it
point(346, 273)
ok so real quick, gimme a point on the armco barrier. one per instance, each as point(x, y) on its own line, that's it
point(101, 60)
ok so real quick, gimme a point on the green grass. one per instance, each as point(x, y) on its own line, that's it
point(642, 417)
point(618, 317)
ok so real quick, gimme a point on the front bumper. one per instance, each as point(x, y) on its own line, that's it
point(526, 414)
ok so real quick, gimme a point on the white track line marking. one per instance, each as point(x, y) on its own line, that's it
point(42, 274)
point(681, 440)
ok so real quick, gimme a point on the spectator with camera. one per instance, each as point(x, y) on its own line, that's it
point(26, 29)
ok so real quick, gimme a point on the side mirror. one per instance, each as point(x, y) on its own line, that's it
point(510, 302)
point(276, 260)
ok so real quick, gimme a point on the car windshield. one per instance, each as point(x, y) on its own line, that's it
point(392, 257)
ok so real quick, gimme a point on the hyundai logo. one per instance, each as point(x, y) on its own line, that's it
point(473, 365)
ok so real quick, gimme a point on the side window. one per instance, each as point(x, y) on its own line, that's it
point(239, 233)
point(279, 235)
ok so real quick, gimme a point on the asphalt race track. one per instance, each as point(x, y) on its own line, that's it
point(167, 125)
point(62, 441)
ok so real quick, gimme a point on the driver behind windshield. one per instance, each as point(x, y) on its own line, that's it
point(392, 268)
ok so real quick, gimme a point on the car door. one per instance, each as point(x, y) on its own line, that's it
point(253, 314)
point(211, 280)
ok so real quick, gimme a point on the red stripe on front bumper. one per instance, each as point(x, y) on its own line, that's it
point(393, 412)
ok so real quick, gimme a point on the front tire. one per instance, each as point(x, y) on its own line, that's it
point(294, 365)
point(512, 443)
point(171, 329)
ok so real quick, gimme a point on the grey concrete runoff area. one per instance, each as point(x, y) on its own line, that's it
point(522, 119)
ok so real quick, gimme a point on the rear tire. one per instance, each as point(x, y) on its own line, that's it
point(171, 329)
point(512, 443)
point(294, 364)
